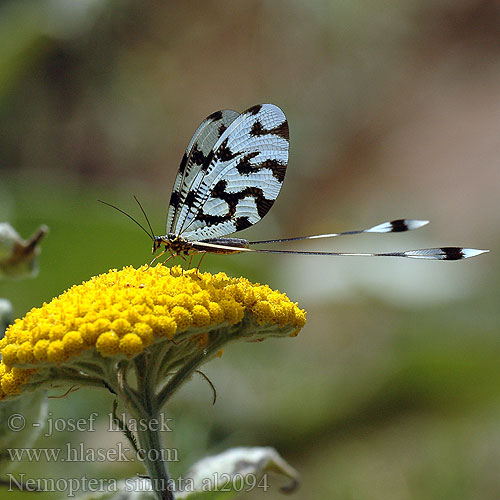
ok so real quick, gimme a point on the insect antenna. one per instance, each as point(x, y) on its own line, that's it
point(129, 216)
point(145, 216)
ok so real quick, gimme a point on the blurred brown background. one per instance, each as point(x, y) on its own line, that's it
point(391, 391)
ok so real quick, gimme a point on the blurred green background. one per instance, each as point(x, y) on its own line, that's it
point(392, 389)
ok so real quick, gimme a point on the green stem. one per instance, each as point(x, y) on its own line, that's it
point(149, 435)
point(151, 454)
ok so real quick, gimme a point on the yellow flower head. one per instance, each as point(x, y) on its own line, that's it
point(120, 315)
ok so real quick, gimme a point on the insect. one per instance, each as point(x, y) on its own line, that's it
point(229, 178)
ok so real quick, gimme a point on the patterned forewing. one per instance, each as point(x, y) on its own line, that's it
point(199, 147)
point(241, 178)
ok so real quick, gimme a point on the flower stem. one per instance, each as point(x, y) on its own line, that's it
point(151, 454)
point(148, 433)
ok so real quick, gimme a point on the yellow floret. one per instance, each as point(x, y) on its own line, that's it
point(9, 384)
point(201, 298)
point(89, 333)
point(56, 353)
point(299, 318)
point(57, 331)
point(131, 344)
point(183, 300)
point(201, 316)
point(120, 326)
point(25, 353)
point(167, 327)
point(216, 312)
point(9, 354)
point(144, 332)
point(40, 350)
point(20, 375)
point(263, 312)
point(102, 324)
point(233, 311)
point(73, 343)
point(108, 343)
point(182, 317)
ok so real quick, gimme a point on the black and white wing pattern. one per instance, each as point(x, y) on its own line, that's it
point(200, 145)
point(234, 184)
point(229, 178)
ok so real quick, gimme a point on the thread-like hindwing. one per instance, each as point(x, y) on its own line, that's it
point(234, 184)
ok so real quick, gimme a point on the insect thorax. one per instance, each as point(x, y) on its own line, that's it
point(173, 243)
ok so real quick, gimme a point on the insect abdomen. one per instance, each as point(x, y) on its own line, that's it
point(228, 242)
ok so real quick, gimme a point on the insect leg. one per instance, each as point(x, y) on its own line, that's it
point(157, 257)
point(167, 259)
point(201, 260)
